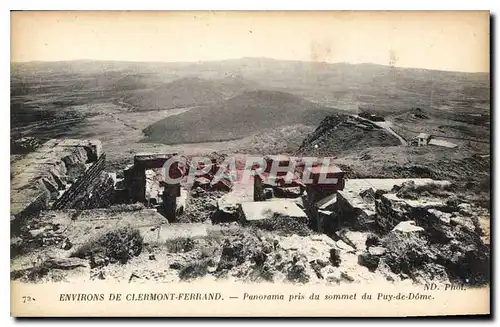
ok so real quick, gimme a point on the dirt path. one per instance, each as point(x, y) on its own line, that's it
point(387, 125)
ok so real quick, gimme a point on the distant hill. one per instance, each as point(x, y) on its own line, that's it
point(385, 89)
point(187, 92)
point(40, 87)
point(237, 118)
point(336, 135)
point(179, 93)
point(123, 82)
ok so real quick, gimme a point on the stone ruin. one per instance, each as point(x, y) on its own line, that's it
point(288, 190)
point(145, 182)
point(61, 174)
point(69, 176)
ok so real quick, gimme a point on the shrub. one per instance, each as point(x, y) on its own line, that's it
point(180, 244)
point(297, 273)
point(33, 274)
point(263, 272)
point(194, 270)
point(372, 240)
point(284, 225)
point(118, 245)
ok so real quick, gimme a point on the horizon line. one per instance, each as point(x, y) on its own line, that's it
point(242, 58)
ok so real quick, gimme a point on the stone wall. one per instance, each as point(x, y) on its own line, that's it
point(80, 192)
point(39, 178)
point(358, 217)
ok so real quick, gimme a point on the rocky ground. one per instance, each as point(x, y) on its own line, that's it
point(455, 251)
point(454, 245)
point(227, 252)
point(447, 241)
point(443, 239)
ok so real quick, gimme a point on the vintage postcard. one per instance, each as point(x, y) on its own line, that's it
point(250, 163)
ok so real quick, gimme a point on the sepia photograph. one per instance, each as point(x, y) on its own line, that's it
point(313, 163)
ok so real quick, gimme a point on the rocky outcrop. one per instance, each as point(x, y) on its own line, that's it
point(438, 218)
point(441, 240)
point(42, 269)
point(340, 133)
point(371, 257)
point(391, 210)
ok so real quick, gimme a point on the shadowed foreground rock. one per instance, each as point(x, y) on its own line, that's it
point(444, 242)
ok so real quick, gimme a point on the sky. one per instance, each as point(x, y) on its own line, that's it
point(455, 41)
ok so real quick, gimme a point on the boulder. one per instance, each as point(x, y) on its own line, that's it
point(197, 191)
point(335, 257)
point(51, 186)
point(465, 209)
point(368, 195)
point(464, 222)
point(369, 261)
point(407, 227)
point(223, 184)
point(65, 263)
point(66, 244)
point(297, 273)
point(175, 265)
point(331, 274)
point(372, 240)
point(347, 277)
point(57, 174)
point(377, 250)
point(371, 258)
point(37, 232)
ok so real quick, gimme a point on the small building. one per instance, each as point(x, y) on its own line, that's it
point(442, 143)
point(423, 139)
